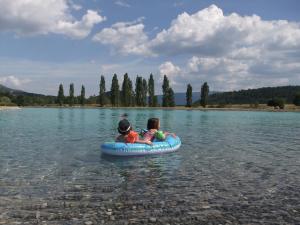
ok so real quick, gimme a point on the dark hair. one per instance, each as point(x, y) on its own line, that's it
point(153, 123)
point(124, 127)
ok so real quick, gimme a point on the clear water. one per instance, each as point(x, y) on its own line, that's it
point(232, 168)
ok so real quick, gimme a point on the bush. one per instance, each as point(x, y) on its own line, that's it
point(276, 102)
point(5, 99)
point(297, 99)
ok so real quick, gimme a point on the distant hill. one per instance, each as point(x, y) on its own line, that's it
point(4, 89)
point(14, 92)
point(259, 95)
point(23, 98)
point(180, 97)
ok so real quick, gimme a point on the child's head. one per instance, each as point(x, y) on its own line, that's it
point(153, 123)
point(124, 127)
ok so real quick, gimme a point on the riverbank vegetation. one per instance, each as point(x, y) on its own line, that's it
point(141, 93)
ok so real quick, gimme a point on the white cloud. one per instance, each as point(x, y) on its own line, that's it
point(211, 33)
point(34, 17)
point(208, 33)
point(126, 37)
point(122, 3)
point(225, 73)
point(172, 71)
point(231, 51)
point(169, 69)
point(12, 81)
point(74, 6)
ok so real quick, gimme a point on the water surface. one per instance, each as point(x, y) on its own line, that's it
point(233, 167)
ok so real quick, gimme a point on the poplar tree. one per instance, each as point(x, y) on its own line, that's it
point(155, 101)
point(204, 94)
point(60, 96)
point(115, 91)
point(144, 92)
point(102, 97)
point(71, 95)
point(171, 98)
point(189, 96)
point(82, 95)
point(151, 91)
point(139, 91)
point(132, 96)
point(126, 92)
point(165, 89)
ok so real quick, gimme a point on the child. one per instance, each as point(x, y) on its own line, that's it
point(127, 135)
point(153, 126)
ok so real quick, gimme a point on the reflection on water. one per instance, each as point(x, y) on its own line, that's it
point(233, 167)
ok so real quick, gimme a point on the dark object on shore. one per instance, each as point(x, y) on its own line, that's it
point(276, 102)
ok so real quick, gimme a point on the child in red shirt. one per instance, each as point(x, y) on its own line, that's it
point(127, 135)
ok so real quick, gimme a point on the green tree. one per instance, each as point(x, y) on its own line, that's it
point(71, 95)
point(189, 96)
point(171, 98)
point(102, 97)
point(165, 89)
point(132, 96)
point(155, 101)
point(151, 91)
point(139, 91)
point(60, 96)
point(297, 99)
point(82, 95)
point(126, 91)
point(204, 94)
point(20, 100)
point(4, 100)
point(144, 92)
point(115, 91)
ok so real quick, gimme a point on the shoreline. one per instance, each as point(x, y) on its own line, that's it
point(9, 107)
point(233, 108)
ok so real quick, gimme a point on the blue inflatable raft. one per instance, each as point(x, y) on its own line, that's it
point(171, 144)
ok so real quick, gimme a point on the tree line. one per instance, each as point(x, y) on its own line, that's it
point(126, 95)
point(71, 99)
point(142, 93)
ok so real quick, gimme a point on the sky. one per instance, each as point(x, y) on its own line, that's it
point(230, 44)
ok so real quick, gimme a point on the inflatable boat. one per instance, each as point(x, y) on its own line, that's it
point(170, 144)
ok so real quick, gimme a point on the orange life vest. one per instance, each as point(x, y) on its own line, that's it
point(132, 137)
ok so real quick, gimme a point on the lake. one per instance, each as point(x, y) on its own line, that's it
point(232, 168)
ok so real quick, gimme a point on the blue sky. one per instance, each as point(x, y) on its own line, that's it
point(230, 44)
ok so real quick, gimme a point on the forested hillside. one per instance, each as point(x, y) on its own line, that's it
point(252, 96)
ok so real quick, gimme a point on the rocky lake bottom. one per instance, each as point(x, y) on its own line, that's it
point(232, 168)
